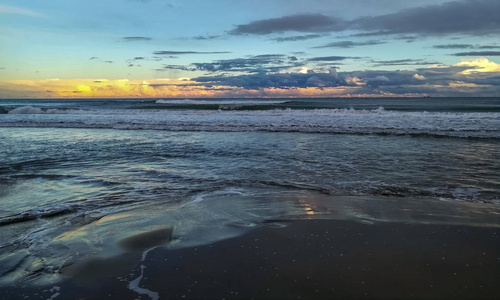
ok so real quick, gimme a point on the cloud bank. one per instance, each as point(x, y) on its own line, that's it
point(472, 17)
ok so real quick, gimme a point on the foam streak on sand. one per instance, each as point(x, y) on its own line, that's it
point(134, 286)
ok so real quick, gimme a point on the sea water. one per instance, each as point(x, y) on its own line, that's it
point(77, 176)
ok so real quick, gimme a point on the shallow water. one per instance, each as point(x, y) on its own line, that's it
point(68, 193)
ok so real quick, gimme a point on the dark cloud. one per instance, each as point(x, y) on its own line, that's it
point(372, 33)
point(132, 62)
point(136, 38)
point(478, 53)
point(441, 80)
point(188, 52)
point(408, 38)
point(332, 78)
point(208, 37)
point(100, 60)
point(469, 17)
point(277, 80)
point(301, 23)
point(297, 38)
point(456, 17)
point(350, 44)
point(489, 47)
point(331, 58)
point(402, 62)
point(258, 63)
point(465, 46)
point(454, 46)
point(178, 67)
point(251, 64)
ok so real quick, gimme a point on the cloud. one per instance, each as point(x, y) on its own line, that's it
point(14, 10)
point(478, 77)
point(188, 52)
point(354, 81)
point(489, 47)
point(478, 53)
point(479, 65)
point(465, 46)
point(100, 60)
point(330, 58)
point(471, 17)
point(419, 77)
point(275, 80)
point(297, 38)
point(379, 79)
point(350, 44)
point(250, 64)
point(208, 37)
point(454, 46)
point(402, 62)
point(136, 38)
point(178, 67)
point(372, 33)
point(257, 63)
point(466, 17)
point(301, 23)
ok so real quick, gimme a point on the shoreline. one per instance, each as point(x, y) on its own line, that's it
point(307, 259)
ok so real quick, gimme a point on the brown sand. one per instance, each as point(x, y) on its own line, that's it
point(147, 240)
point(309, 259)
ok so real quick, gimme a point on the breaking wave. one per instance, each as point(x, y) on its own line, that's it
point(30, 110)
point(220, 102)
point(335, 121)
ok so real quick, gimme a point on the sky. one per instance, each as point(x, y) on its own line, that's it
point(252, 48)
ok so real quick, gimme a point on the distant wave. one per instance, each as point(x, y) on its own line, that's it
point(30, 110)
point(339, 121)
point(220, 102)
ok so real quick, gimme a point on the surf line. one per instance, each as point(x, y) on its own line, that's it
point(134, 284)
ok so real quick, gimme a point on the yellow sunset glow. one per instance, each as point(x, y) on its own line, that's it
point(479, 65)
point(124, 88)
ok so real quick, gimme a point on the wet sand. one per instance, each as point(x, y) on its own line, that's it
point(307, 259)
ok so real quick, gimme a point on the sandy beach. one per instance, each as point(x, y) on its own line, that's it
point(306, 259)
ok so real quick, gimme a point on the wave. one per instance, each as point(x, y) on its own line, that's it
point(31, 110)
point(334, 121)
point(220, 102)
point(37, 213)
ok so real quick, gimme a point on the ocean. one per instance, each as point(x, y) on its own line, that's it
point(79, 175)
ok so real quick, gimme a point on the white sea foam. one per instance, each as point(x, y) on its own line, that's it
point(377, 121)
point(30, 110)
point(219, 102)
point(134, 286)
point(202, 196)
